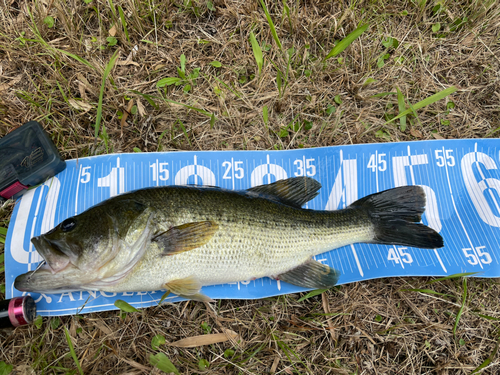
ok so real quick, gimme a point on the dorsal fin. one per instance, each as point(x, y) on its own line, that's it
point(295, 191)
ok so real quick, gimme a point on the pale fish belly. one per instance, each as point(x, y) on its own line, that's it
point(237, 254)
point(209, 264)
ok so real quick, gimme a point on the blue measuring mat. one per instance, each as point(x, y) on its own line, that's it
point(461, 179)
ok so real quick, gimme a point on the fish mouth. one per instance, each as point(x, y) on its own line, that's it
point(56, 275)
point(56, 260)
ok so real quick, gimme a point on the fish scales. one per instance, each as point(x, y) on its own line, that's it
point(256, 237)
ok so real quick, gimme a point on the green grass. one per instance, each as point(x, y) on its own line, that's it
point(292, 356)
point(402, 108)
point(454, 276)
point(72, 351)
point(347, 41)
point(107, 71)
point(3, 234)
point(257, 52)
point(5, 368)
point(328, 73)
point(462, 307)
point(424, 103)
point(271, 24)
point(161, 361)
point(124, 306)
point(488, 360)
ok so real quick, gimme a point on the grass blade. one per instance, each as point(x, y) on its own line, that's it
point(165, 295)
point(77, 58)
point(183, 64)
point(124, 306)
point(286, 9)
point(148, 98)
point(212, 121)
point(72, 351)
point(414, 111)
point(488, 360)
point(346, 42)
point(124, 23)
point(161, 361)
point(271, 24)
point(184, 130)
point(464, 298)
point(288, 352)
point(454, 276)
point(167, 82)
point(402, 108)
point(311, 294)
point(488, 317)
point(427, 101)
point(208, 114)
point(107, 70)
point(257, 52)
point(112, 7)
point(5, 369)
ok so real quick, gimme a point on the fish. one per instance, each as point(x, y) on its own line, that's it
point(181, 238)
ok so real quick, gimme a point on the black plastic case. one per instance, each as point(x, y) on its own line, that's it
point(27, 158)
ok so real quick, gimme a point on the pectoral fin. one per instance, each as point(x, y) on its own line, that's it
point(186, 237)
point(189, 288)
point(311, 274)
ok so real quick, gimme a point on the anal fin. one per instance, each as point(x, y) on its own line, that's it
point(311, 274)
point(188, 287)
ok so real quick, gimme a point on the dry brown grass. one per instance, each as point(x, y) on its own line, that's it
point(372, 327)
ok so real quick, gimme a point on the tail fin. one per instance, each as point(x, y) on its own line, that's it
point(396, 213)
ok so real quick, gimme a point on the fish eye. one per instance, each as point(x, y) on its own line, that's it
point(68, 225)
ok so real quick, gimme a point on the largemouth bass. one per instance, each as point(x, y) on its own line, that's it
point(180, 238)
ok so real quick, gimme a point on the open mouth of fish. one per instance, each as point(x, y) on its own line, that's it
point(63, 268)
point(53, 274)
point(54, 259)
